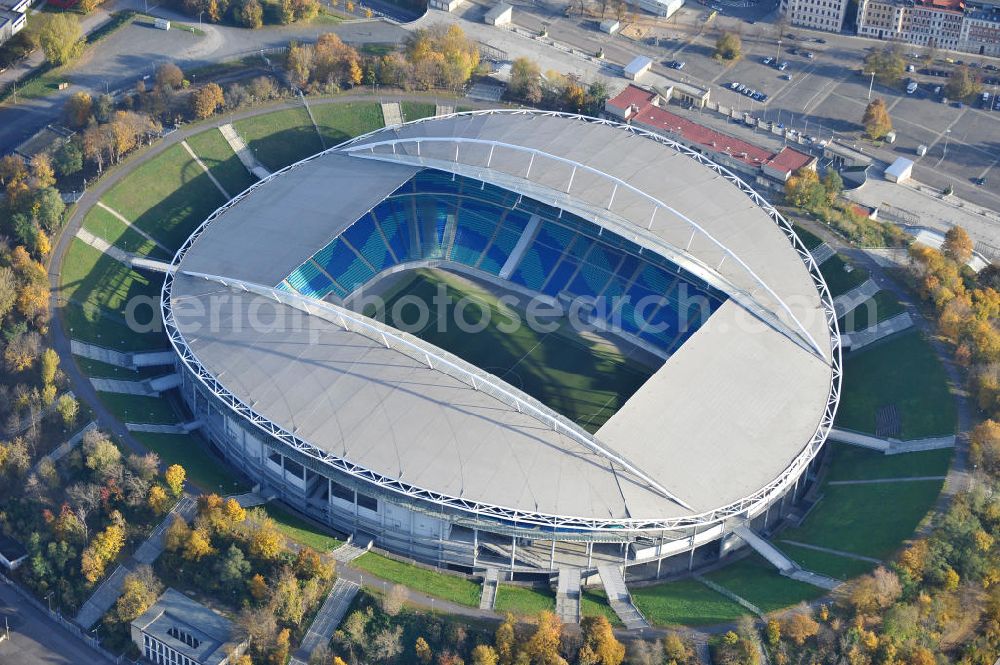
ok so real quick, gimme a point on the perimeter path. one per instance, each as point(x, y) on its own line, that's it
point(81, 384)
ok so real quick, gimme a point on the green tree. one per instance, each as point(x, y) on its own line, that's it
point(61, 38)
point(233, 568)
point(876, 119)
point(962, 83)
point(888, 64)
point(68, 159)
point(67, 407)
point(525, 80)
point(728, 47)
point(251, 14)
point(833, 184)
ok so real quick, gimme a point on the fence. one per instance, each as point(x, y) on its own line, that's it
point(71, 627)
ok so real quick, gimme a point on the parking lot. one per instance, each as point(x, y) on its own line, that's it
point(824, 96)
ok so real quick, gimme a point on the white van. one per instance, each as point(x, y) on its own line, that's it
point(911, 87)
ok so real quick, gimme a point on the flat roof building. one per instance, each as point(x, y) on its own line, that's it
point(900, 170)
point(501, 14)
point(639, 66)
point(179, 631)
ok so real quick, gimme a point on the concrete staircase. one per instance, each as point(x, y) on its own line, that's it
point(620, 599)
point(327, 619)
point(247, 157)
point(822, 254)
point(392, 114)
point(489, 595)
point(849, 301)
point(444, 109)
point(891, 446)
point(785, 566)
point(349, 551)
point(568, 595)
point(880, 330)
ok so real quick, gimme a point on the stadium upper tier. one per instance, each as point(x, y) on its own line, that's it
point(558, 205)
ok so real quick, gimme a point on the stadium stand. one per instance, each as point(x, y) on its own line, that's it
point(437, 215)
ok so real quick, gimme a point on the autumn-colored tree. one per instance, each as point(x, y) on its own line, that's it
point(773, 632)
point(874, 592)
point(957, 245)
point(484, 654)
point(61, 37)
point(175, 476)
point(257, 587)
point(505, 640)
point(423, 651)
point(157, 500)
point(49, 366)
point(262, 535)
point(169, 75)
point(68, 408)
point(543, 646)
point(914, 559)
point(42, 173)
point(102, 549)
point(207, 99)
point(177, 534)
point(800, 626)
point(198, 545)
point(251, 15)
point(728, 47)
point(962, 83)
point(600, 647)
point(77, 109)
point(279, 653)
point(876, 120)
point(140, 590)
point(984, 446)
point(525, 80)
point(394, 599)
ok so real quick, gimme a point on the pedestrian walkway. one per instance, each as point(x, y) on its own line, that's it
point(862, 338)
point(879, 481)
point(444, 109)
point(123, 387)
point(204, 168)
point(111, 588)
point(121, 218)
point(849, 301)
point(152, 265)
point(568, 595)
point(103, 246)
point(63, 449)
point(153, 358)
point(822, 254)
point(620, 599)
point(328, 618)
point(891, 446)
point(248, 159)
point(488, 598)
point(250, 500)
point(101, 354)
point(817, 580)
point(392, 114)
point(829, 550)
point(765, 549)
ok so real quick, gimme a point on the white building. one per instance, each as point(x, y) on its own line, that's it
point(179, 631)
point(639, 66)
point(661, 8)
point(817, 14)
point(501, 14)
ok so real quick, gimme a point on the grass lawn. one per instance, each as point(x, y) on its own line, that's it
point(166, 196)
point(341, 121)
point(854, 463)
point(882, 306)
point(576, 376)
point(280, 138)
point(417, 110)
point(831, 565)
point(809, 239)
point(903, 371)
point(839, 280)
point(90, 276)
point(441, 585)
point(97, 369)
point(139, 409)
point(213, 150)
point(96, 325)
point(301, 531)
point(188, 450)
point(521, 600)
point(754, 579)
point(594, 602)
point(687, 602)
point(871, 520)
point(104, 225)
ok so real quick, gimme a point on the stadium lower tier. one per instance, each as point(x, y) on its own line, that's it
point(446, 217)
point(451, 538)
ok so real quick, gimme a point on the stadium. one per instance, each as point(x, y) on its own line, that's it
point(692, 405)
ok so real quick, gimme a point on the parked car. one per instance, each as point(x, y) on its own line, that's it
point(782, 66)
point(911, 87)
point(787, 77)
point(911, 68)
point(676, 64)
point(768, 60)
point(809, 54)
point(980, 181)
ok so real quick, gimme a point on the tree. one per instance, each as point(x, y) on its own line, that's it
point(175, 475)
point(543, 646)
point(876, 119)
point(49, 366)
point(600, 647)
point(505, 640)
point(67, 407)
point(251, 14)
point(48, 208)
point(394, 599)
point(804, 190)
point(233, 567)
point(100, 454)
point(386, 644)
point(68, 159)
point(257, 587)
point(140, 590)
point(484, 654)
point(984, 446)
point(423, 651)
point(833, 184)
point(874, 592)
point(77, 109)
point(61, 37)
point(888, 64)
point(957, 245)
point(8, 291)
point(22, 351)
point(728, 47)
point(525, 80)
point(103, 548)
point(207, 99)
point(169, 76)
point(800, 626)
point(962, 83)
point(157, 500)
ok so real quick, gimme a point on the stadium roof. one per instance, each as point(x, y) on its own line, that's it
point(726, 415)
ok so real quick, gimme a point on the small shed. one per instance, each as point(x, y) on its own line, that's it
point(501, 14)
point(445, 5)
point(635, 69)
point(900, 170)
point(12, 553)
point(610, 26)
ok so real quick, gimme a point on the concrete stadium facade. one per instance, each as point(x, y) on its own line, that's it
point(671, 517)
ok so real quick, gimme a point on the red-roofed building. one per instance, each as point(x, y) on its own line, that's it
point(758, 166)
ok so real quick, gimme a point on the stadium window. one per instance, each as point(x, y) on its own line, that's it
point(341, 492)
point(274, 458)
point(295, 469)
point(367, 502)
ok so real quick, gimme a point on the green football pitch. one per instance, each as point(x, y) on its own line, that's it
point(583, 376)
